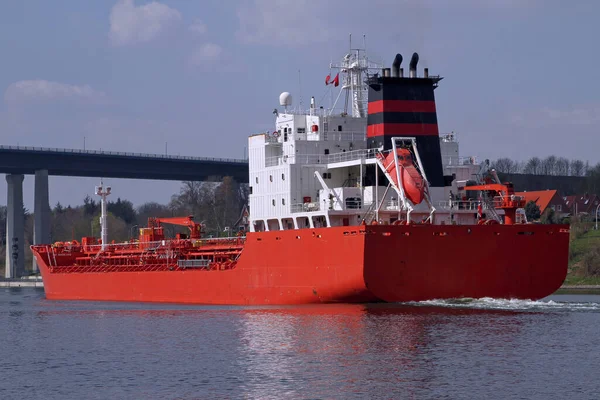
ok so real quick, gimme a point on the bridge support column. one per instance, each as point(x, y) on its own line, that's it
point(15, 227)
point(41, 211)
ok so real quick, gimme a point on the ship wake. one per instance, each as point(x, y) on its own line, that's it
point(487, 303)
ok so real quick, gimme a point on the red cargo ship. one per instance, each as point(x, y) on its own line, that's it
point(360, 205)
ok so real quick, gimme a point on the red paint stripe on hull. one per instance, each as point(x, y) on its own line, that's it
point(402, 129)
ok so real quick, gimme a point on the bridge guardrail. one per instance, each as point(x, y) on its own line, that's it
point(120, 153)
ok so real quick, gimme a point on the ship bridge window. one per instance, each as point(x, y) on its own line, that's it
point(301, 130)
point(326, 151)
point(339, 128)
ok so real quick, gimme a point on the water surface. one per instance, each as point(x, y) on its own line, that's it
point(467, 349)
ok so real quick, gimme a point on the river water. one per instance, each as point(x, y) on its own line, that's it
point(477, 349)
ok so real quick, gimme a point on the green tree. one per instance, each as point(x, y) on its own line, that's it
point(90, 207)
point(122, 209)
point(532, 211)
point(548, 217)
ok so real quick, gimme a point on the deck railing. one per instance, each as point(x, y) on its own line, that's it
point(320, 158)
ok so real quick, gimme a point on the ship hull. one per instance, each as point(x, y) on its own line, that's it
point(391, 263)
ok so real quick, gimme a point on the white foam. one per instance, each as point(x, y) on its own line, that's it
point(506, 304)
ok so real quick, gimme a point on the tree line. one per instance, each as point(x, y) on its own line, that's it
point(217, 206)
point(551, 165)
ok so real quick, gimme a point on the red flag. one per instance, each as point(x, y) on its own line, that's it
point(336, 80)
point(327, 79)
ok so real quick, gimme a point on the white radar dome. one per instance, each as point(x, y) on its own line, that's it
point(285, 99)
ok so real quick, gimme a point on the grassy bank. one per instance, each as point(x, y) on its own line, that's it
point(584, 256)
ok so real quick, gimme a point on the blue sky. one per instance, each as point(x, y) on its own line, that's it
point(520, 76)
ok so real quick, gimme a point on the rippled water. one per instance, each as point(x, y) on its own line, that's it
point(464, 349)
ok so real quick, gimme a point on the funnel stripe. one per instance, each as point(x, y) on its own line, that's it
point(424, 106)
point(402, 118)
point(402, 130)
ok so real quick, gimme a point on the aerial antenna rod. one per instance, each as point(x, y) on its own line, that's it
point(300, 89)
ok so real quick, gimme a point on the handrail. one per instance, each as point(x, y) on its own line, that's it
point(166, 243)
point(118, 153)
point(320, 158)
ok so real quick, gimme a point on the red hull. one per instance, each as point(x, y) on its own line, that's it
point(349, 264)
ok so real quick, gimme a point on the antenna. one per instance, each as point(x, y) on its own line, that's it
point(103, 191)
point(300, 88)
point(351, 42)
point(365, 43)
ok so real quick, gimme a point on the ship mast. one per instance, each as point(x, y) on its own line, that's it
point(355, 67)
point(103, 193)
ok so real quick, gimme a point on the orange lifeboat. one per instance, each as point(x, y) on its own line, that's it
point(412, 181)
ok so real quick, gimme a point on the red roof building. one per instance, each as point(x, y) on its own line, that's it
point(582, 204)
point(547, 199)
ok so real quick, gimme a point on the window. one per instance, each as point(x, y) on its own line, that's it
point(339, 128)
point(273, 202)
point(271, 178)
point(257, 179)
point(559, 207)
point(250, 188)
point(326, 151)
point(283, 202)
point(283, 177)
point(301, 130)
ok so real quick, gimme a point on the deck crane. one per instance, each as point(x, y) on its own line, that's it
point(194, 227)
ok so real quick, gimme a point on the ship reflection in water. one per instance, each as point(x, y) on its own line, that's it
point(382, 350)
point(447, 349)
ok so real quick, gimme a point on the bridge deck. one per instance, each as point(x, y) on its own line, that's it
point(110, 164)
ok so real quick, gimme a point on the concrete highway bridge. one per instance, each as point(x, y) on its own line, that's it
point(17, 161)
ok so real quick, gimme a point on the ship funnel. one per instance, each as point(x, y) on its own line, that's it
point(396, 66)
point(413, 65)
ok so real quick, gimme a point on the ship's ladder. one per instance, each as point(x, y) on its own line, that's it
point(490, 209)
point(371, 213)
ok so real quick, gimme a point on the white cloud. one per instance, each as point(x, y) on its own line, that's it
point(130, 24)
point(42, 90)
point(291, 22)
point(198, 27)
point(304, 22)
point(206, 53)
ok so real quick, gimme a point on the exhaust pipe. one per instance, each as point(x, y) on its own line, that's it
point(426, 73)
point(396, 66)
point(413, 65)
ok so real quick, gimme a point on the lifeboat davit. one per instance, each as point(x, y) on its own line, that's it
point(412, 181)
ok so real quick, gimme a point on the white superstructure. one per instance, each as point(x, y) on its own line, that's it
point(314, 169)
